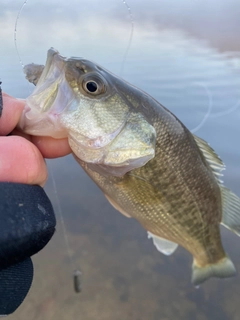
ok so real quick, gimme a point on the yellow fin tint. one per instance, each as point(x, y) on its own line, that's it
point(211, 157)
point(164, 246)
point(222, 269)
point(231, 210)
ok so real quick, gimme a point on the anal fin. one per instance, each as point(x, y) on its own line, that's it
point(164, 246)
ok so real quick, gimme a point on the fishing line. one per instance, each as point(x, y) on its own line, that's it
point(15, 39)
point(15, 32)
point(210, 103)
point(226, 112)
point(209, 110)
point(130, 37)
point(209, 113)
point(77, 272)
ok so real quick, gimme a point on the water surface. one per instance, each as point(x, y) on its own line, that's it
point(186, 55)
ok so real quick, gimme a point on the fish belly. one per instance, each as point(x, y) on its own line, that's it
point(175, 218)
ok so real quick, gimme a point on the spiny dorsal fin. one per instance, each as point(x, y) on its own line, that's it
point(211, 157)
point(230, 202)
point(231, 210)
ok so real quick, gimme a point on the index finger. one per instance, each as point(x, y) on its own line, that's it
point(11, 113)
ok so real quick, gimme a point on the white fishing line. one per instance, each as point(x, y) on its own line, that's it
point(226, 112)
point(15, 40)
point(59, 210)
point(209, 110)
point(15, 32)
point(130, 37)
point(209, 113)
point(77, 272)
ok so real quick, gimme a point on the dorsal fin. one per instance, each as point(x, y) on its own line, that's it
point(231, 210)
point(230, 202)
point(211, 157)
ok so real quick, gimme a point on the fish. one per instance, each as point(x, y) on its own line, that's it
point(148, 164)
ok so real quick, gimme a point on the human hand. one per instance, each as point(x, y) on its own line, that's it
point(27, 220)
point(22, 156)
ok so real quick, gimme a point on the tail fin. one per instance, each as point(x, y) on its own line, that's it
point(222, 269)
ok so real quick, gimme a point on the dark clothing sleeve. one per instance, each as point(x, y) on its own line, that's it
point(27, 223)
point(15, 282)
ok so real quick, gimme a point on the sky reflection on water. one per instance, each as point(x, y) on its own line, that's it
point(185, 54)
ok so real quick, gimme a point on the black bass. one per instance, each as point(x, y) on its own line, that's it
point(147, 163)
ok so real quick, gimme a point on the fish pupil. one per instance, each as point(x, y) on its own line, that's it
point(91, 86)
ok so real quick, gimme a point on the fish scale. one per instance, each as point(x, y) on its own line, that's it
point(146, 162)
point(175, 195)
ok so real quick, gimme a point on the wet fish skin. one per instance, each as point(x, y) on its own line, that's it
point(170, 183)
point(183, 205)
point(117, 139)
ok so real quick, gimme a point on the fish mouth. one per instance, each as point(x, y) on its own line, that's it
point(51, 54)
point(51, 96)
point(114, 139)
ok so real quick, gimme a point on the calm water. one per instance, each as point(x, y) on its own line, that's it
point(184, 53)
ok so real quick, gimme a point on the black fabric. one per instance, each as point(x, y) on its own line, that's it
point(15, 282)
point(27, 222)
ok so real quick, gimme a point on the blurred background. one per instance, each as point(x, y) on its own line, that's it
point(186, 54)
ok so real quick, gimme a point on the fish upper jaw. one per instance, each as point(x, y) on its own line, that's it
point(51, 97)
point(40, 119)
point(102, 131)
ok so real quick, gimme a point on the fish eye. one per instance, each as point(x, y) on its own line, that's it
point(93, 85)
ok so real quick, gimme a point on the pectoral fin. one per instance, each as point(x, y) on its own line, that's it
point(164, 246)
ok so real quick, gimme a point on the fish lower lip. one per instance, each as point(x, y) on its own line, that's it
point(99, 142)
